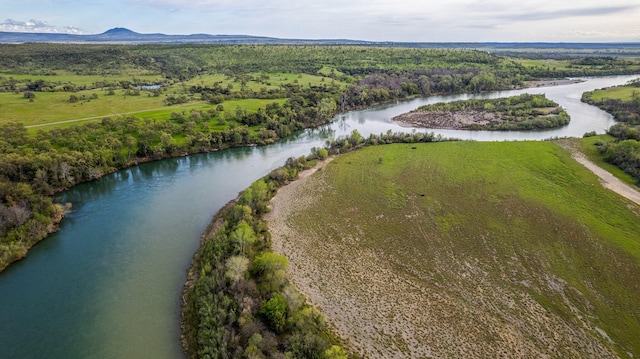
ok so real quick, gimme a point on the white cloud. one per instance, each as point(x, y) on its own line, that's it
point(34, 25)
point(592, 35)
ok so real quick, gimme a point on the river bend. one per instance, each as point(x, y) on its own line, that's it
point(108, 284)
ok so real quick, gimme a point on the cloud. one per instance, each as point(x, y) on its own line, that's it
point(598, 35)
point(218, 5)
point(27, 26)
point(33, 25)
point(567, 13)
point(73, 30)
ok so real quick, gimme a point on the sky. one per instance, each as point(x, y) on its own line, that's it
point(372, 20)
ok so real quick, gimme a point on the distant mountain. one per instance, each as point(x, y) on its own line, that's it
point(121, 35)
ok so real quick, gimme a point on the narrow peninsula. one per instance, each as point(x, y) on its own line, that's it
point(516, 113)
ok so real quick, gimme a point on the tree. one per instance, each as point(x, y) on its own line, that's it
point(326, 109)
point(274, 311)
point(243, 236)
point(335, 352)
point(257, 197)
point(236, 267)
point(270, 268)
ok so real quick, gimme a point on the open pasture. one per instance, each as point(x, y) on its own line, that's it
point(466, 249)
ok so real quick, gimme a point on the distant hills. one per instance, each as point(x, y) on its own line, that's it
point(121, 35)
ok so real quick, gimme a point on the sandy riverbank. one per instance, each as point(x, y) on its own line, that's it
point(550, 83)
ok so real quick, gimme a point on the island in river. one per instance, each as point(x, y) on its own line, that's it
point(516, 113)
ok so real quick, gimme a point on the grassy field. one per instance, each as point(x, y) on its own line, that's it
point(62, 77)
point(54, 107)
point(48, 107)
point(165, 113)
point(550, 63)
point(624, 93)
point(467, 249)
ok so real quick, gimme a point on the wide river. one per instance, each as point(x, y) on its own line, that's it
point(109, 283)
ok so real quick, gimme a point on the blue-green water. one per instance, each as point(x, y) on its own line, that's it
point(109, 283)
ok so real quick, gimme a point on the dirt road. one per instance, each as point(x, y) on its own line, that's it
point(608, 180)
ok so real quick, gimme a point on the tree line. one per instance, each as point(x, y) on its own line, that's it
point(624, 151)
point(238, 301)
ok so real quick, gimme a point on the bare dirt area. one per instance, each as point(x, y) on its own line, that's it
point(608, 180)
point(385, 304)
point(549, 83)
point(454, 120)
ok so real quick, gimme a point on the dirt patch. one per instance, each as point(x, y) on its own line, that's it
point(454, 120)
point(608, 180)
point(549, 83)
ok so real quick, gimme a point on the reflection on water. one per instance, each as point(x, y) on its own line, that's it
point(108, 285)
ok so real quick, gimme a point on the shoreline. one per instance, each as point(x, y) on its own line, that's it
point(552, 83)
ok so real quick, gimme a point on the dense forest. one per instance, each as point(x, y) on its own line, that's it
point(625, 107)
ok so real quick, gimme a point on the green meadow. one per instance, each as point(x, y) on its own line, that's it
point(55, 106)
point(624, 93)
point(520, 218)
point(551, 63)
point(98, 102)
point(48, 107)
point(64, 77)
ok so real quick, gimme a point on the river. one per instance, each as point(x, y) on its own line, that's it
point(109, 283)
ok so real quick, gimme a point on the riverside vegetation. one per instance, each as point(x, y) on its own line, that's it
point(516, 113)
point(520, 252)
point(239, 302)
point(623, 147)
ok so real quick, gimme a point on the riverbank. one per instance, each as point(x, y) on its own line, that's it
point(551, 83)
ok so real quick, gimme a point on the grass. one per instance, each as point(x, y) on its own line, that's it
point(55, 106)
point(588, 147)
point(550, 63)
point(62, 77)
point(50, 107)
point(624, 93)
point(493, 222)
